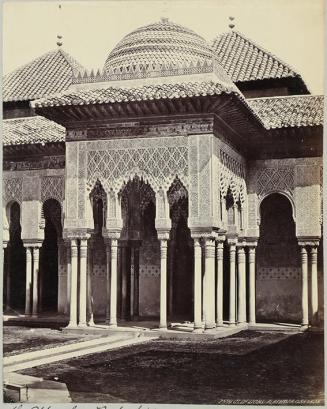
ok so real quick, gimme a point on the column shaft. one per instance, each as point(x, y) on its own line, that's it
point(124, 281)
point(314, 285)
point(90, 304)
point(35, 270)
point(113, 284)
point(220, 284)
point(241, 286)
point(232, 284)
point(163, 284)
point(197, 286)
point(28, 283)
point(304, 260)
point(69, 256)
point(83, 284)
point(108, 266)
point(73, 284)
point(252, 296)
point(209, 282)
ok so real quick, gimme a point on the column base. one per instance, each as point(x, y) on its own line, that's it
point(112, 324)
point(198, 330)
point(82, 325)
point(232, 324)
point(220, 324)
point(71, 326)
point(163, 327)
point(210, 325)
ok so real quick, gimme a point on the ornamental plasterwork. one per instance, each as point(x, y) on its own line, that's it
point(231, 174)
point(52, 187)
point(274, 179)
point(13, 190)
point(157, 165)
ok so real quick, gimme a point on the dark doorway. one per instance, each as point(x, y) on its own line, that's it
point(14, 286)
point(49, 257)
point(278, 281)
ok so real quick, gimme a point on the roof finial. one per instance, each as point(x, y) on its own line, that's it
point(59, 42)
point(164, 19)
point(59, 37)
point(231, 25)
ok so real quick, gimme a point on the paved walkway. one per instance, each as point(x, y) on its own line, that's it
point(71, 350)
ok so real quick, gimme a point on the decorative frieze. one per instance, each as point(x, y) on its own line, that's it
point(49, 162)
point(136, 129)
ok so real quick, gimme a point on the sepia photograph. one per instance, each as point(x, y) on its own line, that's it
point(162, 196)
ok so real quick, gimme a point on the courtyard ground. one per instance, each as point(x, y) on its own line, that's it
point(17, 340)
point(249, 367)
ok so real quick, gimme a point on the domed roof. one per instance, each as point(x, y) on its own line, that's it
point(163, 43)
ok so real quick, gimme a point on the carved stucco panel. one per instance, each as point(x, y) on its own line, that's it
point(205, 159)
point(52, 187)
point(12, 190)
point(157, 161)
point(71, 181)
point(193, 176)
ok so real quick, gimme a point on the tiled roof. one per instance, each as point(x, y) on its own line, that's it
point(146, 92)
point(289, 111)
point(245, 61)
point(31, 130)
point(160, 43)
point(50, 73)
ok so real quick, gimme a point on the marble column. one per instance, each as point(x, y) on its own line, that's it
point(197, 286)
point(108, 267)
point(304, 262)
point(124, 291)
point(113, 284)
point(220, 284)
point(83, 284)
point(28, 283)
point(35, 272)
point(73, 285)
point(314, 285)
point(163, 284)
point(252, 295)
point(171, 277)
point(69, 256)
point(209, 284)
point(241, 285)
point(232, 284)
point(90, 303)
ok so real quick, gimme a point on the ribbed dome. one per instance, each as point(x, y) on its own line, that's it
point(156, 44)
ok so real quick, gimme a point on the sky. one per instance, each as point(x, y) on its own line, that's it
point(293, 30)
